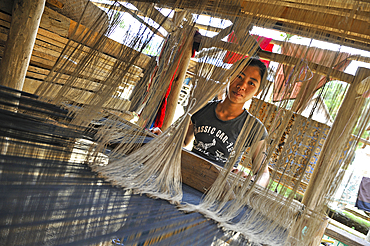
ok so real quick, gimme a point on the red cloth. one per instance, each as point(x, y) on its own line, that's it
point(232, 57)
point(158, 122)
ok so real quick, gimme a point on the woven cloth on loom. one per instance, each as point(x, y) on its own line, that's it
point(51, 197)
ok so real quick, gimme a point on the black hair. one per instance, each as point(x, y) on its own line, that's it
point(255, 62)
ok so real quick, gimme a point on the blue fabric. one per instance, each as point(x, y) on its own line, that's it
point(363, 205)
point(363, 196)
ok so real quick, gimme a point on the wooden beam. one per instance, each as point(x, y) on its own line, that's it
point(344, 26)
point(286, 60)
point(335, 142)
point(21, 39)
point(344, 236)
point(176, 86)
point(208, 28)
point(223, 33)
point(328, 7)
point(316, 68)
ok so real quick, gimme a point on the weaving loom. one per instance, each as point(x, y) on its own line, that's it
point(73, 171)
point(65, 203)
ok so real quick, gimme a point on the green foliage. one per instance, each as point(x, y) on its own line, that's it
point(333, 94)
point(359, 220)
point(151, 49)
point(122, 24)
point(284, 191)
point(286, 36)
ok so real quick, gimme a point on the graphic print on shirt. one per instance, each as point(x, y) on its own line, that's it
point(219, 138)
point(205, 146)
point(220, 156)
point(212, 131)
point(208, 127)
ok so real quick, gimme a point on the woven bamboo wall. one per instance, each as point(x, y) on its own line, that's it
point(52, 36)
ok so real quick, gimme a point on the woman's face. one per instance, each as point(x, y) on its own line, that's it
point(245, 85)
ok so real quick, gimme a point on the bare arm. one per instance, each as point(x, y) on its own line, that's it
point(257, 159)
point(189, 135)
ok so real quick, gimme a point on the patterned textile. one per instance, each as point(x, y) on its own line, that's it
point(291, 161)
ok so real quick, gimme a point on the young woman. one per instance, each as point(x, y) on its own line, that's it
point(216, 126)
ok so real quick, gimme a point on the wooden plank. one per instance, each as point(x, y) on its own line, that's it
point(47, 48)
point(47, 39)
point(339, 9)
point(33, 75)
point(55, 22)
point(55, 3)
point(31, 85)
point(4, 24)
point(51, 39)
point(38, 61)
point(4, 32)
point(104, 67)
point(38, 70)
point(197, 172)
point(306, 22)
point(6, 6)
point(344, 236)
point(5, 17)
point(52, 52)
point(59, 37)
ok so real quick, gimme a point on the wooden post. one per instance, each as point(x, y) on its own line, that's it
point(173, 97)
point(26, 18)
point(338, 136)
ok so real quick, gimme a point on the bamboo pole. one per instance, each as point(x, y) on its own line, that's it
point(338, 136)
point(173, 97)
point(21, 39)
